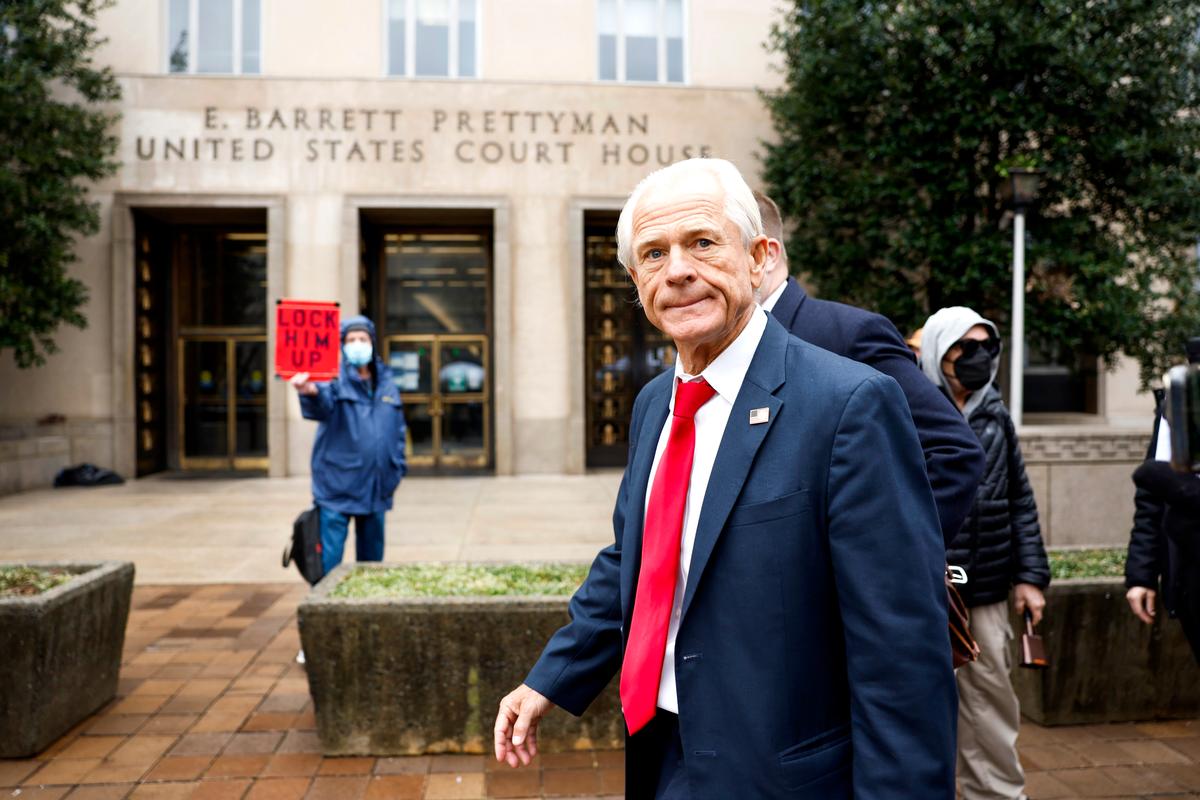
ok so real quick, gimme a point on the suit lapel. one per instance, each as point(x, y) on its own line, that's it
point(788, 305)
point(739, 445)
point(653, 419)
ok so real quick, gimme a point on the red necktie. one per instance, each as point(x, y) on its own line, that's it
point(641, 670)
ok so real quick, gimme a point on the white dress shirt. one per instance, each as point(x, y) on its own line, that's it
point(1162, 447)
point(725, 375)
point(773, 297)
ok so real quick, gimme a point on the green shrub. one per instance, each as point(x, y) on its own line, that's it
point(23, 580)
point(1107, 562)
point(462, 580)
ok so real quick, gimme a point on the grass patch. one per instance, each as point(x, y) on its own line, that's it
point(1106, 562)
point(463, 580)
point(23, 580)
point(561, 580)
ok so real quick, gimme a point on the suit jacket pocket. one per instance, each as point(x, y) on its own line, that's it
point(777, 508)
point(820, 762)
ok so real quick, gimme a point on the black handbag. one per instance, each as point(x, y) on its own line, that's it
point(305, 547)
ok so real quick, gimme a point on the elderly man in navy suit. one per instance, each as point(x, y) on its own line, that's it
point(953, 457)
point(774, 596)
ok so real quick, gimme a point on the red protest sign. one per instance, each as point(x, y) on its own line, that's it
point(306, 338)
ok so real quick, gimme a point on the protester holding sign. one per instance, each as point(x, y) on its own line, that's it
point(358, 457)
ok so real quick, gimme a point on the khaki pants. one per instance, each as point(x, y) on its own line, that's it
point(988, 712)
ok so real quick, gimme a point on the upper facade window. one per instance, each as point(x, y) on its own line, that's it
point(432, 38)
point(640, 40)
point(215, 36)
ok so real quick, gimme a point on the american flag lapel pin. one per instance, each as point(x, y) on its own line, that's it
point(759, 415)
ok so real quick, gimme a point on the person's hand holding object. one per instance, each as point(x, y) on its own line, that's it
point(1026, 595)
point(517, 723)
point(303, 385)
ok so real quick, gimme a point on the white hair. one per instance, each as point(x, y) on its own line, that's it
point(740, 206)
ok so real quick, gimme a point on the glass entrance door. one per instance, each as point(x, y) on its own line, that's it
point(223, 402)
point(221, 348)
point(623, 351)
point(430, 292)
point(443, 381)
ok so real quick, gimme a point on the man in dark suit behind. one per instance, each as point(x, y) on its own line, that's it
point(953, 457)
point(774, 595)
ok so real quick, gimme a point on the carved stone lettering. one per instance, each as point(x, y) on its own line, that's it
point(533, 137)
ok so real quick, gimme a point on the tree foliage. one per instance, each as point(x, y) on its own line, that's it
point(55, 136)
point(897, 125)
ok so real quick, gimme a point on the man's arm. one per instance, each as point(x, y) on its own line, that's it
point(889, 561)
point(1032, 566)
point(953, 458)
point(1145, 559)
point(582, 656)
point(1031, 573)
point(1143, 564)
point(316, 399)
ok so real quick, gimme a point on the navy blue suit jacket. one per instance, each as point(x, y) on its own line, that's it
point(953, 457)
point(812, 658)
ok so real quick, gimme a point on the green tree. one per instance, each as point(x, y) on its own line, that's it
point(55, 137)
point(898, 121)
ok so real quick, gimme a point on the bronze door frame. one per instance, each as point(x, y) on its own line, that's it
point(436, 399)
point(232, 337)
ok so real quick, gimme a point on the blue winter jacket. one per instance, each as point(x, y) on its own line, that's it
point(358, 456)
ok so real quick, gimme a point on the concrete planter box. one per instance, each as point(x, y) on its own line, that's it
point(1105, 664)
point(409, 676)
point(61, 654)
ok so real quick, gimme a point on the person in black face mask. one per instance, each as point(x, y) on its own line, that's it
point(1000, 547)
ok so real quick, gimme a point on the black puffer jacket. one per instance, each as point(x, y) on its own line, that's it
point(1000, 544)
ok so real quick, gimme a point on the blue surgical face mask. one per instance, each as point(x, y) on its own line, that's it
point(357, 353)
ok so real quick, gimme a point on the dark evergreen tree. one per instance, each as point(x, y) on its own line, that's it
point(55, 137)
point(898, 123)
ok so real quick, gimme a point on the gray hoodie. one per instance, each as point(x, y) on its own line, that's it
point(941, 331)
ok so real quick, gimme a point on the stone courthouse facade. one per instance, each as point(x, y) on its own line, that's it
point(453, 169)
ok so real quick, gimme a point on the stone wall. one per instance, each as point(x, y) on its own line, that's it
point(32, 462)
point(1105, 664)
point(1081, 480)
point(409, 676)
point(32, 454)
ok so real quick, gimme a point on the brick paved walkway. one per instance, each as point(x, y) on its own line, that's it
point(212, 707)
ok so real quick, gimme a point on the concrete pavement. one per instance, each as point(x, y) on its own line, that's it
point(179, 529)
point(212, 706)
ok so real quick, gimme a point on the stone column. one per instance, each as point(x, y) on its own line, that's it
point(313, 270)
point(541, 356)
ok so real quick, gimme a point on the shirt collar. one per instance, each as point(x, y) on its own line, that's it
point(769, 302)
point(728, 370)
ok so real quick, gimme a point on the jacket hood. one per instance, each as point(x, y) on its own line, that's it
point(939, 334)
point(382, 374)
point(358, 321)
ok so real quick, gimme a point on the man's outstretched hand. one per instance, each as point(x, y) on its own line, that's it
point(304, 386)
point(517, 723)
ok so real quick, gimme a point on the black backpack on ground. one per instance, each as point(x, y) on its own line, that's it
point(305, 547)
point(87, 475)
